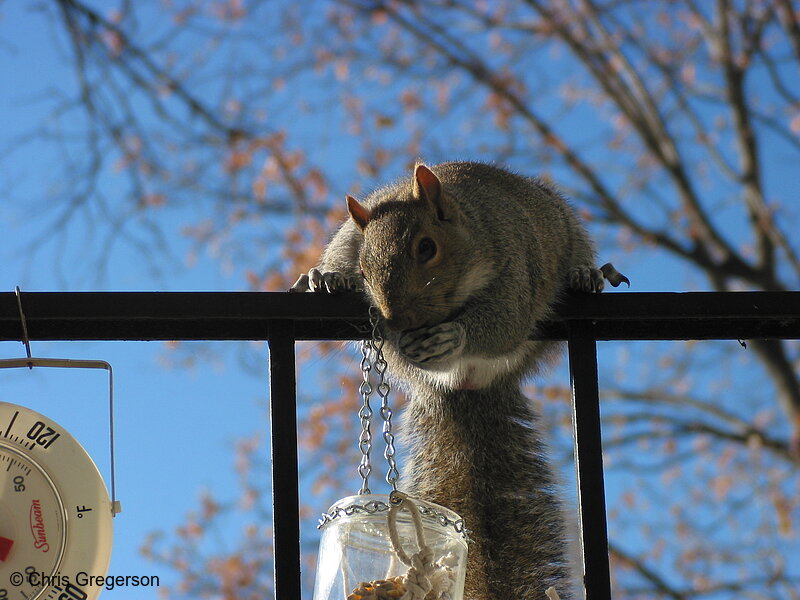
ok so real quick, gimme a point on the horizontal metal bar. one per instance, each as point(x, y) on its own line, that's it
point(245, 315)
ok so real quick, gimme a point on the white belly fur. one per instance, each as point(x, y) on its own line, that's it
point(476, 372)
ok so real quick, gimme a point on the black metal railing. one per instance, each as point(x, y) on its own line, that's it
point(283, 318)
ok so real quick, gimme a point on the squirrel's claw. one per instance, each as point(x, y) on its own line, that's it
point(614, 277)
point(301, 285)
point(331, 282)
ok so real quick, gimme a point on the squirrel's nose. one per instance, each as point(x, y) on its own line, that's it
point(396, 313)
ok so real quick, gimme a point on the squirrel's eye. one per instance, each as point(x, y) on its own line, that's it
point(426, 249)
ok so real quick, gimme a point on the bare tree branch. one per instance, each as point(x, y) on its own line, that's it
point(645, 117)
point(734, 68)
point(791, 21)
point(229, 134)
point(660, 585)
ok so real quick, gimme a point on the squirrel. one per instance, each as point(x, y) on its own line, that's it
point(464, 260)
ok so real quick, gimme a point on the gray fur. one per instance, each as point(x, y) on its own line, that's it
point(458, 341)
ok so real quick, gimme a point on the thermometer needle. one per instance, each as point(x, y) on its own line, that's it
point(5, 547)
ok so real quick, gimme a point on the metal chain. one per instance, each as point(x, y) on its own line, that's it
point(365, 414)
point(372, 358)
point(376, 506)
point(383, 389)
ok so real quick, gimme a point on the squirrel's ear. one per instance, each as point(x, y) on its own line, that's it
point(359, 214)
point(428, 186)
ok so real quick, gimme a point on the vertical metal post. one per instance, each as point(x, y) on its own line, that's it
point(283, 434)
point(589, 460)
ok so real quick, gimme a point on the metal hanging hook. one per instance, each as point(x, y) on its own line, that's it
point(25, 339)
point(67, 363)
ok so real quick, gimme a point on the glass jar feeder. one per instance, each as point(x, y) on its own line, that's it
point(358, 560)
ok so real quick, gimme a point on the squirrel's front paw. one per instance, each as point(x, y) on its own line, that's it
point(432, 345)
point(589, 279)
point(331, 282)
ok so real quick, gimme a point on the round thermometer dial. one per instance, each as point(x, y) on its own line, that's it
point(55, 514)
